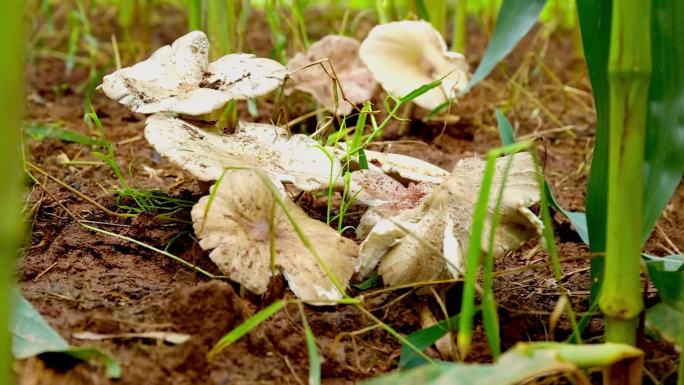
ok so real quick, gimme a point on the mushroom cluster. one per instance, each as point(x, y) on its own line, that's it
point(417, 214)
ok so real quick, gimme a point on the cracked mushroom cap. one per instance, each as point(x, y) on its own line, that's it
point(178, 78)
point(244, 226)
point(385, 196)
point(405, 55)
point(431, 241)
point(206, 154)
point(354, 77)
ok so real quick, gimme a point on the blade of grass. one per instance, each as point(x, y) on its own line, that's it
point(475, 246)
point(314, 358)
point(489, 310)
point(245, 328)
point(41, 130)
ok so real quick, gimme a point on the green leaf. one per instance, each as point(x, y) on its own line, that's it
point(369, 282)
point(423, 339)
point(668, 277)
point(595, 21)
point(314, 358)
point(505, 128)
point(664, 156)
point(515, 19)
point(32, 335)
point(521, 363)
point(578, 219)
point(40, 131)
point(665, 323)
point(246, 327)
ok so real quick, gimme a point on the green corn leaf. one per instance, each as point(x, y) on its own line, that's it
point(664, 156)
point(667, 274)
point(40, 131)
point(32, 335)
point(518, 365)
point(665, 319)
point(515, 19)
point(664, 323)
point(594, 20)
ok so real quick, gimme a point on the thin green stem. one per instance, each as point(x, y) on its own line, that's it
point(459, 32)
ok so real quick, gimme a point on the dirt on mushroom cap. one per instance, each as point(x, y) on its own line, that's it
point(178, 78)
point(250, 234)
point(206, 154)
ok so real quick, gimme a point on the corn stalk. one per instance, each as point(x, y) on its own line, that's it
point(11, 83)
point(629, 73)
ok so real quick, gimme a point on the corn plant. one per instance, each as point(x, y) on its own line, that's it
point(11, 39)
point(637, 161)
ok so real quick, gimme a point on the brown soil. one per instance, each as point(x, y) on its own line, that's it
point(84, 281)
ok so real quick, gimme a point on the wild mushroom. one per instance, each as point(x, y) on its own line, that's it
point(178, 78)
point(385, 196)
point(354, 77)
point(206, 154)
point(401, 167)
point(405, 55)
point(251, 237)
point(430, 241)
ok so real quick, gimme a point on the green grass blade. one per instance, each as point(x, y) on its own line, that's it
point(475, 245)
point(246, 327)
point(41, 130)
point(489, 310)
point(314, 358)
point(516, 18)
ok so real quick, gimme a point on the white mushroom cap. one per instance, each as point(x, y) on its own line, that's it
point(413, 245)
point(206, 154)
point(244, 225)
point(354, 77)
point(401, 167)
point(405, 55)
point(178, 78)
